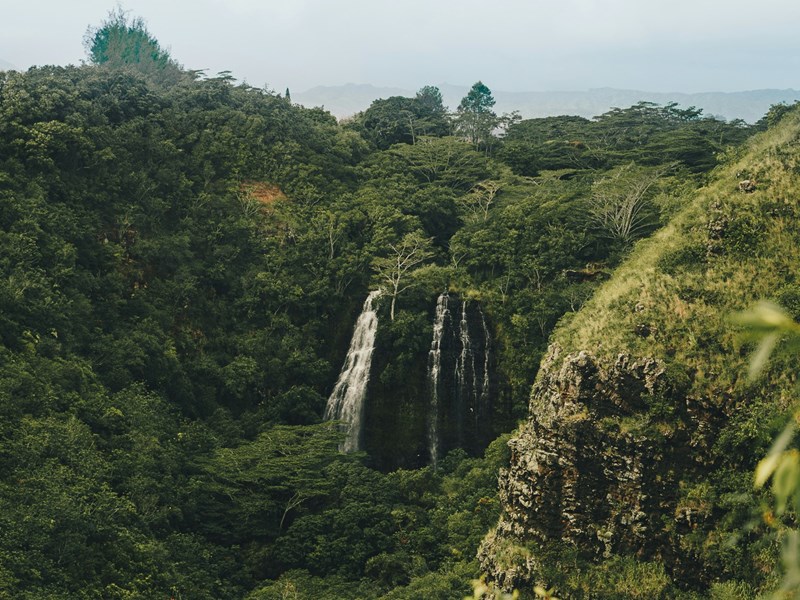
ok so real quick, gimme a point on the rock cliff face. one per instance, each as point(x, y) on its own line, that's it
point(643, 452)
point(588, 469)
point(460, 379)
point(408, 415)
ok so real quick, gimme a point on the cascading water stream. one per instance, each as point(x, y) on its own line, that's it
point(474, 393)
point(459, 378)
point(346, 402)
point(484, 400)
point(434, 371)
point(462, 391)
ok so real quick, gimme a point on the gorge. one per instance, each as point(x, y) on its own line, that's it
point(204, 395)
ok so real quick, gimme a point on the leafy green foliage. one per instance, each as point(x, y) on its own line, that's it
point(769, 324)
point(401, 120)
point(621, 204)
point(121, 42)
point(721, 252)
point(181, 260)
point(475, 118)
point(645, 133)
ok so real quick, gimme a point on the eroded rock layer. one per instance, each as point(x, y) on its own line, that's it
point(594, 468)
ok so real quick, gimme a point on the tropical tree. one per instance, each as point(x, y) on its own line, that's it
point(481, 197)
point(432, 118)
point(621, 205)
point(125, 42)
point(390, 121)
point(399, 119)
point(475, 119)
point(448, 161)
point(394, 270)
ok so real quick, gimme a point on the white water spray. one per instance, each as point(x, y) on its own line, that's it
point(484, 401)
point(465, 366)
point(434, 371)
point(346, 402)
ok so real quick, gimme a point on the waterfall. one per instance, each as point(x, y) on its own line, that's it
point(459, 378)
point(462, 368)
point(484, 407)
point(434, 371)
point(346, 402)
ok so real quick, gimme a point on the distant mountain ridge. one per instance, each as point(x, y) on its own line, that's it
point(6, 66)
point(346, 100)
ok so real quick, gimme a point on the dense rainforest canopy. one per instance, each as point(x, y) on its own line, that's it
point(182, 259)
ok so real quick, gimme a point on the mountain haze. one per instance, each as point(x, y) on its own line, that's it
point(346, 100)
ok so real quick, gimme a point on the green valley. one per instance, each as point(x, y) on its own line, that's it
point(201, 283)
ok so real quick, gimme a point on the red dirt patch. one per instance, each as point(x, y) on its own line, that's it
point(266, 193)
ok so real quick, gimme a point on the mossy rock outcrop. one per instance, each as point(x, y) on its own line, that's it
point(643, 431)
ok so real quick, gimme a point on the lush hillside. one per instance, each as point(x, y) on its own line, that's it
point(633, 475)
point(182, 263)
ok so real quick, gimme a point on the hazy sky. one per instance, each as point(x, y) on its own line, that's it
point(512, 45)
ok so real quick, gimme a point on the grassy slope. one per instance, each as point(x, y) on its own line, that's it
point(723, 251)
point(686, 281)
